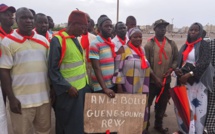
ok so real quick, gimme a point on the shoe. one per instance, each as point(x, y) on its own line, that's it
point(162, 130)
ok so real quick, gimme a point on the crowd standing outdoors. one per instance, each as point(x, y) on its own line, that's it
point(40, 69)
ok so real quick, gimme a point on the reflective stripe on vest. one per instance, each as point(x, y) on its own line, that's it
point(75, 78)
point(73, 67)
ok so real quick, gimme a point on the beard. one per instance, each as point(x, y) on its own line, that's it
point(105, 34)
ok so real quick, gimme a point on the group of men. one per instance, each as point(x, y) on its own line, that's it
point(35, 64)
point(24, 67)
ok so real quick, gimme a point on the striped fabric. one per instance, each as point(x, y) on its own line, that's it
point(102, 52)
point(28, 64)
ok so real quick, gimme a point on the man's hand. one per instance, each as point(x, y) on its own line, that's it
point(109, 92)
point(183, 79)
point(15, 106)
point(178, 72)
point(98, 72)
point(168, 73)
point(158, 82)
point(73, 92)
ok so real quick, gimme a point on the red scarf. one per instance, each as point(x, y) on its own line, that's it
point(1, 35)
point(161, 51)
point(27, 37)
point(123, 42)
point(189, 48)
point(110, 43)
point(3, 32)
point(140, 53)
point(63, 47)
point(47, 37)
point(85, 44)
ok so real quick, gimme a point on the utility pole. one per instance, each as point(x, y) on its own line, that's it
point(117, 13)
point(172, 24)
point(172, 27)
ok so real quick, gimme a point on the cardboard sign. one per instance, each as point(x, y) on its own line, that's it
point(123, 114)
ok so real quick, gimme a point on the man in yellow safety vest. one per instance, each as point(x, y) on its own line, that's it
point(67, 71)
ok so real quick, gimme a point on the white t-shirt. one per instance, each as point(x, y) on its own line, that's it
point(191, 56)
point(117, 43)
point(29, 72)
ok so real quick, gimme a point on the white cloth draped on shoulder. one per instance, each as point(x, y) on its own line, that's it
point(3, 117)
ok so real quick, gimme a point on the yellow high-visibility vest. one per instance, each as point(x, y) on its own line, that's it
point(73, 67)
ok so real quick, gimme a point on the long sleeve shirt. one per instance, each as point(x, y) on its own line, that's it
point(58, 82)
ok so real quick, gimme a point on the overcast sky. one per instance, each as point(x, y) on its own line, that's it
point(179, 12)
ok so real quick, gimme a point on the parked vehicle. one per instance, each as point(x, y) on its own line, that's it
point(208, 39)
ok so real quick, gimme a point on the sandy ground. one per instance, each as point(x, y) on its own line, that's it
point(169, 121)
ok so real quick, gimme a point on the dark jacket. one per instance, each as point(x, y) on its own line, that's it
point(149, 49)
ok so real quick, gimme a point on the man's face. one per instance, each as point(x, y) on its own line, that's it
point(25, 21)
point(131, 24)
point(121, 30)
point(88, 22)
point(78, 28)
point(41, 24)
point(90, 26)
point(51, 22)
point(87, 26)
point(7, 18)
point(160, 30)
point(106, 28)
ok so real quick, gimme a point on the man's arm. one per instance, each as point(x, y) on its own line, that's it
point(98, 73)
point(157, 80)
point(6, 84)
point(6, 64)
point(59, 84)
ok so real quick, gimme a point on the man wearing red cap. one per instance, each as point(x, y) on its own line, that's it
point(67, 71)
point(6, 20)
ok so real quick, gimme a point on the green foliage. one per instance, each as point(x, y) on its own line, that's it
point(57, 28)
point(15, 26)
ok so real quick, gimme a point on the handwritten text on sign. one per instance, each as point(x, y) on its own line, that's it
point(123, 114)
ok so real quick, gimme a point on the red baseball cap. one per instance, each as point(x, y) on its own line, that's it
point(4, 8)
